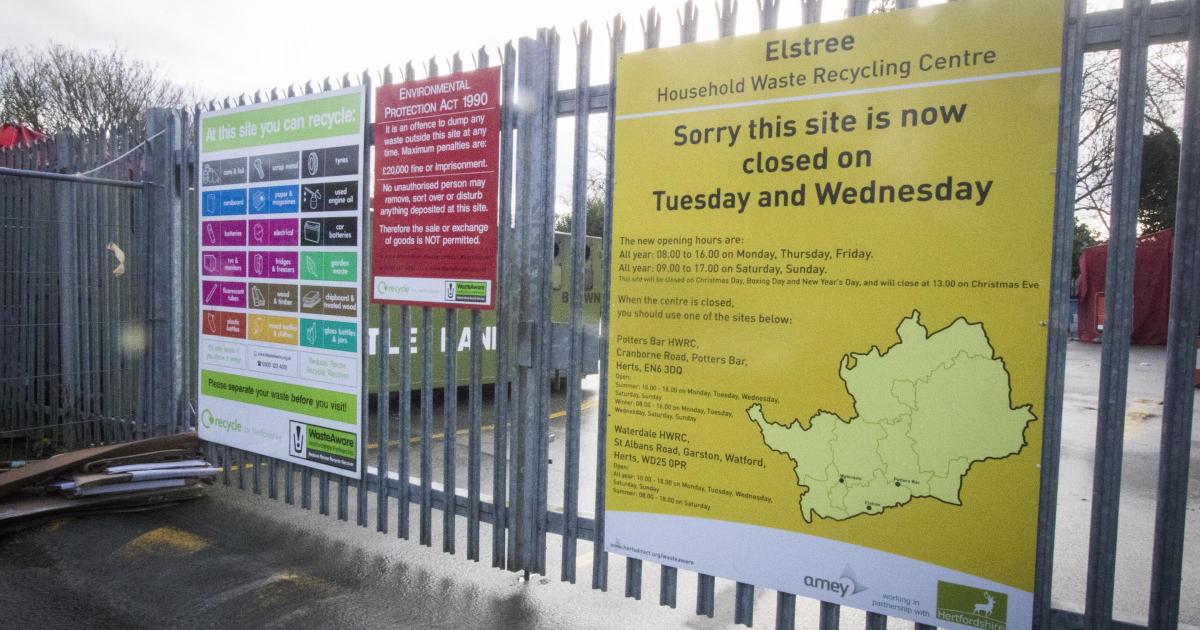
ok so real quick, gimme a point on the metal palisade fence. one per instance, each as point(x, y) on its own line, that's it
point(93, 356)
point(92, 327)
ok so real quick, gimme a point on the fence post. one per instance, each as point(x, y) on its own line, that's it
point(163, 270)
point(531, 159)
point(68, 295)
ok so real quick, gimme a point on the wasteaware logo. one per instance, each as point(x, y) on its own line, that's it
point(209, 421)
point(466, 291)
point(970, 606)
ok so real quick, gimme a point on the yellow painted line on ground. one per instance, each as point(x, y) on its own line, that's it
point(164, 541)
point(281, 589)
point(57, 524)
point(439, 435)
point(1139, 413)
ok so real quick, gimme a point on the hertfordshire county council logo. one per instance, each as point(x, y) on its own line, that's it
point(972, 606)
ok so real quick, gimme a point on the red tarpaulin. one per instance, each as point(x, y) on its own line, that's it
point(15, 134)
point(1151, 289)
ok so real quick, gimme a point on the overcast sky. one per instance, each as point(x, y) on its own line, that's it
point(225, 47)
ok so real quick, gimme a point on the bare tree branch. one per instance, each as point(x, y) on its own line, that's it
point(60, 88)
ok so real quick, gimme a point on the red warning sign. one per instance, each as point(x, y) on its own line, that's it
point(437, 155)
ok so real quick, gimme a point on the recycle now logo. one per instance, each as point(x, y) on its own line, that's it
point(383, 287)
point(209, 421)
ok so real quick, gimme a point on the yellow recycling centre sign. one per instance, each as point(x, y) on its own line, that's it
point(830, 285)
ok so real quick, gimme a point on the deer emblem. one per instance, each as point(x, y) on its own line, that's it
point(986, 609)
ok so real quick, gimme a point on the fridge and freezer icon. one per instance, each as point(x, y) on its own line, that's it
point(259, 264)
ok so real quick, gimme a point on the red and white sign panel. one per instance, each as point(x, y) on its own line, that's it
point(437, 152)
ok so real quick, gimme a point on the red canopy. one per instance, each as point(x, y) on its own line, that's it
point(1151, 288)
point(15, 134)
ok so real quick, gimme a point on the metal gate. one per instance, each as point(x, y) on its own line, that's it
point(88, 289)
point(509, 502)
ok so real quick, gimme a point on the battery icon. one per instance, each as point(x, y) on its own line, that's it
point(312, 232)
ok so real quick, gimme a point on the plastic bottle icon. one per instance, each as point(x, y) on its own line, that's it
point(258, 264)
point(210, 322)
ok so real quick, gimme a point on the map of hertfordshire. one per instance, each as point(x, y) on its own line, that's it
point(926, 409)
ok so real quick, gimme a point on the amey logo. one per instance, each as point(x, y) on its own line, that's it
point(208, 421)
point(845, 585)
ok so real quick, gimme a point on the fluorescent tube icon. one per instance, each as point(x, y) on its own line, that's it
point(208, 297)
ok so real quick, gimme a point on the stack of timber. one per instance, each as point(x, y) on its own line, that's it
point(118, 477)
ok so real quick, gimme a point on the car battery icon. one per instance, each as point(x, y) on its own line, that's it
point(312, 232)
